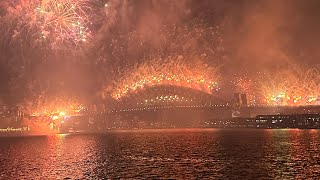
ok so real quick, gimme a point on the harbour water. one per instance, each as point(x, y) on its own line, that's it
point(166, 153)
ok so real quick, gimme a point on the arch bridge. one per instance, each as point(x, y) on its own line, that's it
point(164, 97)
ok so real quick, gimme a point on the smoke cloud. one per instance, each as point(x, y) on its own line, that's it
point(237, 36)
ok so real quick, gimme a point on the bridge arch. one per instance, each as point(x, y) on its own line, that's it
point(168, 96)
point(197, 76)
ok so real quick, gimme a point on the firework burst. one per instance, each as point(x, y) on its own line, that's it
point(43, 106)
point(198, 76)
point(64, 20)
point(294, 89)
point(54, 22)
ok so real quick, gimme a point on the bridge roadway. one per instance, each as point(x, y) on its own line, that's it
point(226, 109)
point(146, 108)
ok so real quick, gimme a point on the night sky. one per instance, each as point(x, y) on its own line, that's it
point(239, 37)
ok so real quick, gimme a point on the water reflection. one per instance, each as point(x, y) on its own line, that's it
point(48, 157)
point(182, 154)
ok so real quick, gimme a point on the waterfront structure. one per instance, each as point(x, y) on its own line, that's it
point(288, 121)
point(10, 116)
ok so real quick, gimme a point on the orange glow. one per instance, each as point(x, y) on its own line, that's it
point(291, 88)
point(198, 76)
point(55, 117)
point(47, 113)
point(62, 113)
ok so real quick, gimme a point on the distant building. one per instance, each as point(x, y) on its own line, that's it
point(275, 121)
point(10, 116)
point(288, 121)
point(303, 121)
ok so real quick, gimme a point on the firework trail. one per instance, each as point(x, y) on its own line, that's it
point(198, 76)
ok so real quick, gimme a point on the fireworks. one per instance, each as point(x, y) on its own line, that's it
point(197, 76)
point(55, 107)
point(57, 22)
point(46, 114)
point(287, 88)
point(65, 20)
point(49, 100)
